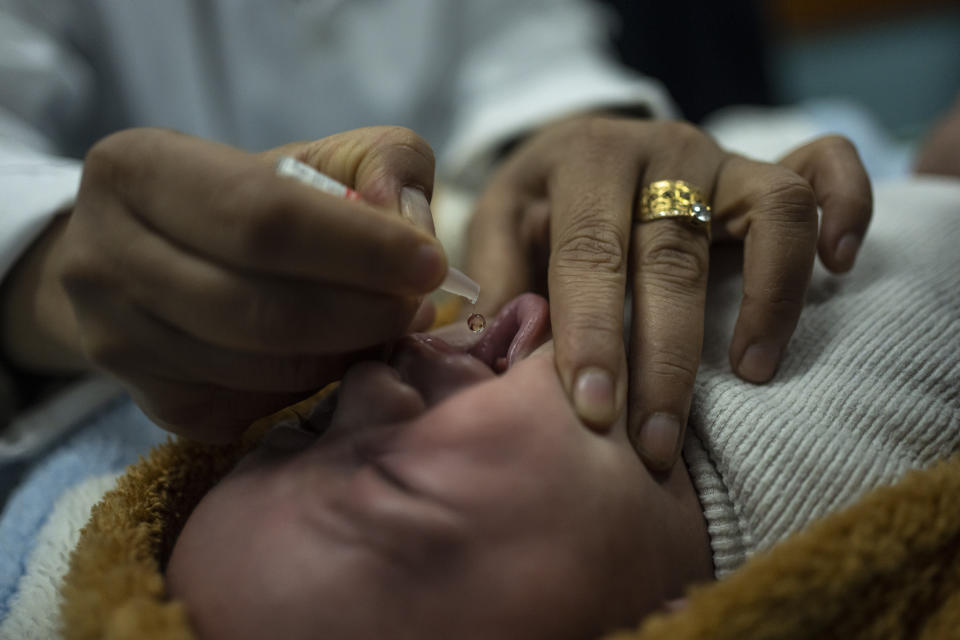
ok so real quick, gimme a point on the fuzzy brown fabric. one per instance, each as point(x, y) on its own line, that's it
point(114, 588)
point(887, 567)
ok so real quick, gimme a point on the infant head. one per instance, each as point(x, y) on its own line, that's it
point(454, 494)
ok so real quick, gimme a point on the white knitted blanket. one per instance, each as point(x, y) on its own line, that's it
point(869, 387)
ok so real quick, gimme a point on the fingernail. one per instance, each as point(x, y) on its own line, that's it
point(847, 248)
point(593, 396)
point(759, 362)
point(415, 208)
point(658, 439)
point(427, 267)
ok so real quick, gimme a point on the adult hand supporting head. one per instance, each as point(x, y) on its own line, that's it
point(218, 292)
point(563, 206)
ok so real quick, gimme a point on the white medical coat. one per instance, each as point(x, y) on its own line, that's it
point(465, 74)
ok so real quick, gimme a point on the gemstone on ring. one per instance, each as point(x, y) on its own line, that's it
point(700, 212)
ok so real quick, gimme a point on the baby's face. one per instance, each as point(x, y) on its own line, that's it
point(454, 495)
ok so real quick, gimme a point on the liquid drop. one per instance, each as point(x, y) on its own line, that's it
point(477, 323)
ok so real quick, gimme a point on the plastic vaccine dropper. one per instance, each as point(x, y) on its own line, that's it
point(456, 282)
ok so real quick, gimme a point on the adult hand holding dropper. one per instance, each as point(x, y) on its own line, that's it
point(217, 291)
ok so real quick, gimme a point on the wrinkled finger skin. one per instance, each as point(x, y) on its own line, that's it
point(219, 292)
point(563, 205)
point(833, 169)
point(773, 209)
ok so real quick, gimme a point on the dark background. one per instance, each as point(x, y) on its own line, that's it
point(899, 58)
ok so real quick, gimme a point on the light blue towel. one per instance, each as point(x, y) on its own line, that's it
point(104, 442)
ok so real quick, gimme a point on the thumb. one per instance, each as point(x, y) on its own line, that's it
point(391, 167)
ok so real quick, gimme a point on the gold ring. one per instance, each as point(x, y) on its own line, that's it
point(674, 199)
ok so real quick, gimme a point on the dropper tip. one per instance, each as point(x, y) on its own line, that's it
point(459, 283)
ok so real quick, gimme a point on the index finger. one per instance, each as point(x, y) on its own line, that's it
point(229, 207)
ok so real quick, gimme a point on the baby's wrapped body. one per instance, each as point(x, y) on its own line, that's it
point(441, 500)
point(447, 500)
point(869, 388)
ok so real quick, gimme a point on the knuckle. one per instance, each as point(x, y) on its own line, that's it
point(122, 158)
point(408, 139)
point(680, 135)
point(671, 372)
point(597, 130)
point(679, 141)
point(789, 199)
point(590, 242)
point(669, 257)
point(104, 162)
point(838, 145)
point(593, 138)
point(590, 326)
point(593, 322)
point(399, 153)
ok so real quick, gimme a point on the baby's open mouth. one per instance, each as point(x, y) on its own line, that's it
point(440, 363)
point(512, 335)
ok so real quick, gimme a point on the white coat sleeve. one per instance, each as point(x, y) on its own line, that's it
point(45, 88)
point(531, 62)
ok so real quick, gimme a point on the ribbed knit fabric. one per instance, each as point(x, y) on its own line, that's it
point(869, 386)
